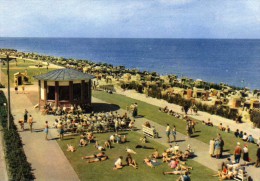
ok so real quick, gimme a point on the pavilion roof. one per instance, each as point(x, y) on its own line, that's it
point(64, 75)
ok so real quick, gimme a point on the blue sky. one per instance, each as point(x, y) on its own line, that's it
point(130, 18)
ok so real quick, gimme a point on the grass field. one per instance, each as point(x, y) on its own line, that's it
point(151, 112)
point(21, 66)
point(104, 170)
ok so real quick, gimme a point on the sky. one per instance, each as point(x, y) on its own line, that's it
point(131, 18)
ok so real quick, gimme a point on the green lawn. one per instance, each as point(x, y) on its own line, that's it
point(22, 66)
point(104, 170)
point(151, 112)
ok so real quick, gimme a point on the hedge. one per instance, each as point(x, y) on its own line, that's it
point(17, 164)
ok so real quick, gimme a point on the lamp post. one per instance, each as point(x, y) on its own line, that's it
point(7, 59)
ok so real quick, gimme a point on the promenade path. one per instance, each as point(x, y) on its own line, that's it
point(47, 159)
point(200, 148)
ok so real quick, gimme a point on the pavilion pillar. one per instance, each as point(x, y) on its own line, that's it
point(56, 93)
point(45, 91)
point(89, 92)
point(83, 92)
point(71, 91)
point(39, 87)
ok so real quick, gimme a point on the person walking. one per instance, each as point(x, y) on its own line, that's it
point(30, 121)
point(25, 116)
point(23, 88)
point(168, 132)
point(237, 153)
point(46, 130)
point(174, 133)
point(257, 164)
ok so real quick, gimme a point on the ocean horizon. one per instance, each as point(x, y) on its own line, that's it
point(232, 61)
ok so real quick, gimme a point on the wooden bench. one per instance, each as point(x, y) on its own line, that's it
point(151, 132)
point(241, 176)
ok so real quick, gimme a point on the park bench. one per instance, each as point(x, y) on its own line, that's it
point(241, 176)
point(151, 132)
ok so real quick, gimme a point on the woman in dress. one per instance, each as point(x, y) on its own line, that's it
point(245, 154)
point(211, 147)
point(46, 130)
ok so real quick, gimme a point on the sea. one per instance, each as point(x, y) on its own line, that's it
point(232, 61)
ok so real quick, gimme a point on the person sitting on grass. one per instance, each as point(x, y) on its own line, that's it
point(90, 137)
point(112, 138)
point(71, 148)
point(175, 172)
point(101, 154)
point(240, 134)
point(100, 148)
point(148, 162)
point(184, 177)
point(236, 133)
point(245, 137)
point(143, 139)
point(107, 144)
point(131, 162)
point(227, 129)
point(225, 174)
point(128, 150)
point(98, 159)
point(124, 139)
point(118, 163)
point(250, 139)
point(165, 156)
point(83, 142)
point(156, 154)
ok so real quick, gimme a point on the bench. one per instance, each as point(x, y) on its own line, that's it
point(151, 132)
point(241, 176)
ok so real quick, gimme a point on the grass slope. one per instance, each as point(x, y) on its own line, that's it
point(104, 170)
point(151, 112)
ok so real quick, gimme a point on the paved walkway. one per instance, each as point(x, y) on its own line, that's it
point(47, 159)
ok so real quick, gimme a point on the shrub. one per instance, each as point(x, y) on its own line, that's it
point(18, 166)
point(255, 117)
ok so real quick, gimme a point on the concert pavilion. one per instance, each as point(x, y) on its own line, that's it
point(63, 87)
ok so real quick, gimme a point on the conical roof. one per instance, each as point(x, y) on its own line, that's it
point(64, 75)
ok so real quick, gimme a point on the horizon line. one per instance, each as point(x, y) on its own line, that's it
point(132, 38)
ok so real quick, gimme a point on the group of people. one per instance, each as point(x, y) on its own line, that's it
point(216, 146)
point(99, 122)
point(16, 89)
point(244, 136)
point(26, 119)
point(170, 112)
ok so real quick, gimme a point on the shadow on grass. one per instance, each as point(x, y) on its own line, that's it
point(194, 136)
point(104, 107)
point(227, 150)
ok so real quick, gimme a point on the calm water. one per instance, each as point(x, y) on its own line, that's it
point(236, 62)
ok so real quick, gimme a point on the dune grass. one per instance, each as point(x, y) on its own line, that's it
point(151, 112)
point(104, 170)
